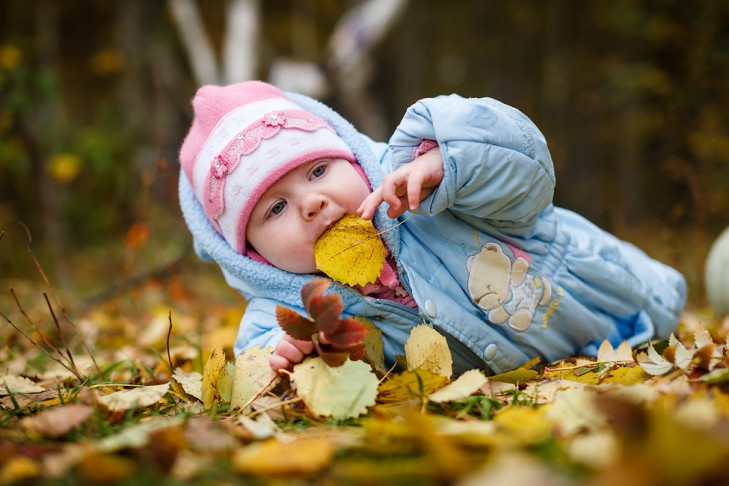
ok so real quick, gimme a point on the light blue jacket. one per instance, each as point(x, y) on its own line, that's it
point(491, 263)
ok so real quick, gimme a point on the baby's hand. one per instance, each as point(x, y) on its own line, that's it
point(288, 352)
point(404, 188)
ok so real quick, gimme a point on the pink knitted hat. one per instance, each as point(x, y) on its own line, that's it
point(243, 138)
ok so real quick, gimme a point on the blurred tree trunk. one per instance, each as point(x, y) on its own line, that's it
point(200, 52)
point(50, 113)
point(351, 45)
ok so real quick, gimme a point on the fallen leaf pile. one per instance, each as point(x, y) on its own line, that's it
point(173, 405)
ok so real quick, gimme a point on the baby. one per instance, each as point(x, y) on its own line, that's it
point(475, 247)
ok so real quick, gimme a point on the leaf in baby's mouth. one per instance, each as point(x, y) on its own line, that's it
point(351, 251)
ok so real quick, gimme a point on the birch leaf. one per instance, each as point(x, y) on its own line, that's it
point(342, 392)
point(191, 382)
point(374, 346)
point(252, 374)
point(351, 251)
point(409, 385)
point(212, 371)
point(466, 384)
point(18, 384)
point(427, 349)
point(142, 396)
point(607, 353)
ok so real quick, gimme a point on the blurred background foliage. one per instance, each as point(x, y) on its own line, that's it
point(633, 97)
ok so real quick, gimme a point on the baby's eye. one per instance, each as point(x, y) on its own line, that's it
point(318, 172)
point(277, 208)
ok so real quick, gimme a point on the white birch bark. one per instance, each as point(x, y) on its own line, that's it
point(195, 40)
point(240, 48)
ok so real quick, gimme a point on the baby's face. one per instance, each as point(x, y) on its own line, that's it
point(293, 213)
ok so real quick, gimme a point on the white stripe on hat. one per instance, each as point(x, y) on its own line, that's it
point(226, 129)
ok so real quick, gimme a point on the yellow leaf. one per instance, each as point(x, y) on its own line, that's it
point(252, 374)
point(466, 384)
point(339, 392)
point(427, 349)
point(409, 385)
point(520, 375)
point(351, 252)
point(374, 346)
point(305, 455)
point(527, 425)
point(214, 367)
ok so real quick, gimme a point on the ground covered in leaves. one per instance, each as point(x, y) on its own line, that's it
point(140, 385)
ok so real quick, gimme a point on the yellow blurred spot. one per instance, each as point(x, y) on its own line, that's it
point(19, 468)
point(107, 61)
point(525, 425)
point(280, 458)
point(105, 468)
point(10, 57)
point(64, 167)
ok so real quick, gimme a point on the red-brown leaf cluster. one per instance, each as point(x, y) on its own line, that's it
point(334, 339)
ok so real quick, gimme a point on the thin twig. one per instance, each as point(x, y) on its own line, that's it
point(55, 297)
point(2, 233)
point(32, 324)
point(260, 392)
point(54, 358)
point(169, 333)
point(275, 405)
point(60, 332)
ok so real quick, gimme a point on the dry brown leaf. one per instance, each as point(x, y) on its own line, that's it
point(142, 396)
point(18, 384)
point(56, 422)
point(606, 353)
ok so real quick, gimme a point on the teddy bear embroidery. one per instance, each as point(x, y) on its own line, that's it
point(505, 288)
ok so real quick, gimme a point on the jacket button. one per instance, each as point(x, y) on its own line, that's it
point(430, 308)
point(490, 352)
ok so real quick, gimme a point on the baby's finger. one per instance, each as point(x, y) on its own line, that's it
point(370, 204)
point(415, 185)
point(277, 362)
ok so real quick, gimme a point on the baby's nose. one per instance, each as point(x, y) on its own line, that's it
point(314, 204)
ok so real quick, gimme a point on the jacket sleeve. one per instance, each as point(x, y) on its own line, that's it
point(258, 325)
point(496, 162)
